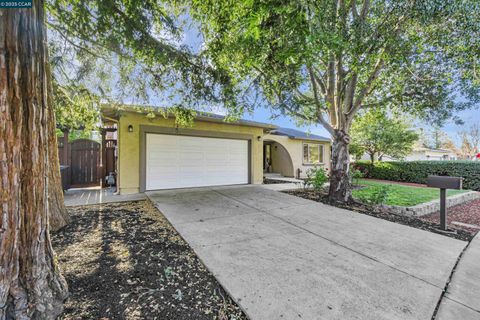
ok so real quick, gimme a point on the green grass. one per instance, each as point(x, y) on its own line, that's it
point(401, 195)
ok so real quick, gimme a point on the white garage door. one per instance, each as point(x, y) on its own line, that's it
point(181, 161)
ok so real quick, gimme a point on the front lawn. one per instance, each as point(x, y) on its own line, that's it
point(401, 195)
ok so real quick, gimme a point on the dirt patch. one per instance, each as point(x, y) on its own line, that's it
point(125, 261)
point(465, 216)
point(373, 211)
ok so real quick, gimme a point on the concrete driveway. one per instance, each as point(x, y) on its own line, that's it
point(283, 257)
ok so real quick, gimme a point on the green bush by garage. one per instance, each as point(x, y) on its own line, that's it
point(418, 171)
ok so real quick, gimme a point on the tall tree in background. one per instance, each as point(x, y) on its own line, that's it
point(470, 142)
point(322, 61)
point(449, 144)
point(436, 138)
point(378, 135)
point(31, 285)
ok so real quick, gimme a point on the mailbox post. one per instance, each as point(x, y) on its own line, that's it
point(444, 183)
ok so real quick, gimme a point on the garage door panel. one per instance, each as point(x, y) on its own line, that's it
point(190, 158)
point(181, 161)
point(157, 175)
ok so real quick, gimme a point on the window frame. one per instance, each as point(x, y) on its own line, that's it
point(321, 151)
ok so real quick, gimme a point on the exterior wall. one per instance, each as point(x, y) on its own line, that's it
point(430, 155)
point(295, 151)
point(281, 160)
point(129, 146)
point(416, 156)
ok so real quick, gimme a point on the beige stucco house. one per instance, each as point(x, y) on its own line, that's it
point(292, 153)
point(422, 153)
point(153, 153)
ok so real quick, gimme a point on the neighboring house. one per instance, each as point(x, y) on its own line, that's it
point(291, 152)
point(419, 154)
point(154, 154)
point(431, 154)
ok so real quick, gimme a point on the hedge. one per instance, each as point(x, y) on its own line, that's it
point(418, 171)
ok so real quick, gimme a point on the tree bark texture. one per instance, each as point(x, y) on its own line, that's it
point(340, 183)
point(58, 212)
point(31, 286)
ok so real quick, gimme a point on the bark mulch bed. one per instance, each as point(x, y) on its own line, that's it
point(466, 214)
point(382, 214)
point(125, 261)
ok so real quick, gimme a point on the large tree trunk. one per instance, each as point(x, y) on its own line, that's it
point(31, 285)
point(58, 212)
point(340, 184)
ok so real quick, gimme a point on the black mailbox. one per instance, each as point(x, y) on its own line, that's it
point(444, 182)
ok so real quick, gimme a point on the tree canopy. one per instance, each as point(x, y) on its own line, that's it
point(129, 50)
point(323, 61)
point(378, 135)
point(75, 107)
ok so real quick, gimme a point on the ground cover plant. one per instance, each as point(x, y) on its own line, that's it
point(397, 194)
point(125, 261)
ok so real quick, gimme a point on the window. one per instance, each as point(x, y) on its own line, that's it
point(312, 153)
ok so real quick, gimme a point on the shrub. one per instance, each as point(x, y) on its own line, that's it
point(316, 178)
point(418, 171)
point(376, 195)
point(356, 175)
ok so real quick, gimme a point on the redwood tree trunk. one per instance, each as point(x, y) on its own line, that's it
point(31, 285)
point(340, 184)
point(58, 212)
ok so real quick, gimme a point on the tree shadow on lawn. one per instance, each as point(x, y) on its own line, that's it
point(125, 261)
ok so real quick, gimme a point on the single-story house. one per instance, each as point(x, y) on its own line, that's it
point(292, 152)
point(418, 154)
point(422, 153)
point(153, 153)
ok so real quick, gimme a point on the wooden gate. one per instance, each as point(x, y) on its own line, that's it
point(85, 163)
point(109, 158)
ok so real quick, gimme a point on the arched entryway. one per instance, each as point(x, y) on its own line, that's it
point(276, 159)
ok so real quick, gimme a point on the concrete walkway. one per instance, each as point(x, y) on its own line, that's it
point(283, 257)
point(462, 299)
point(96, 195)
point(281, 186)
point(279, 177)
